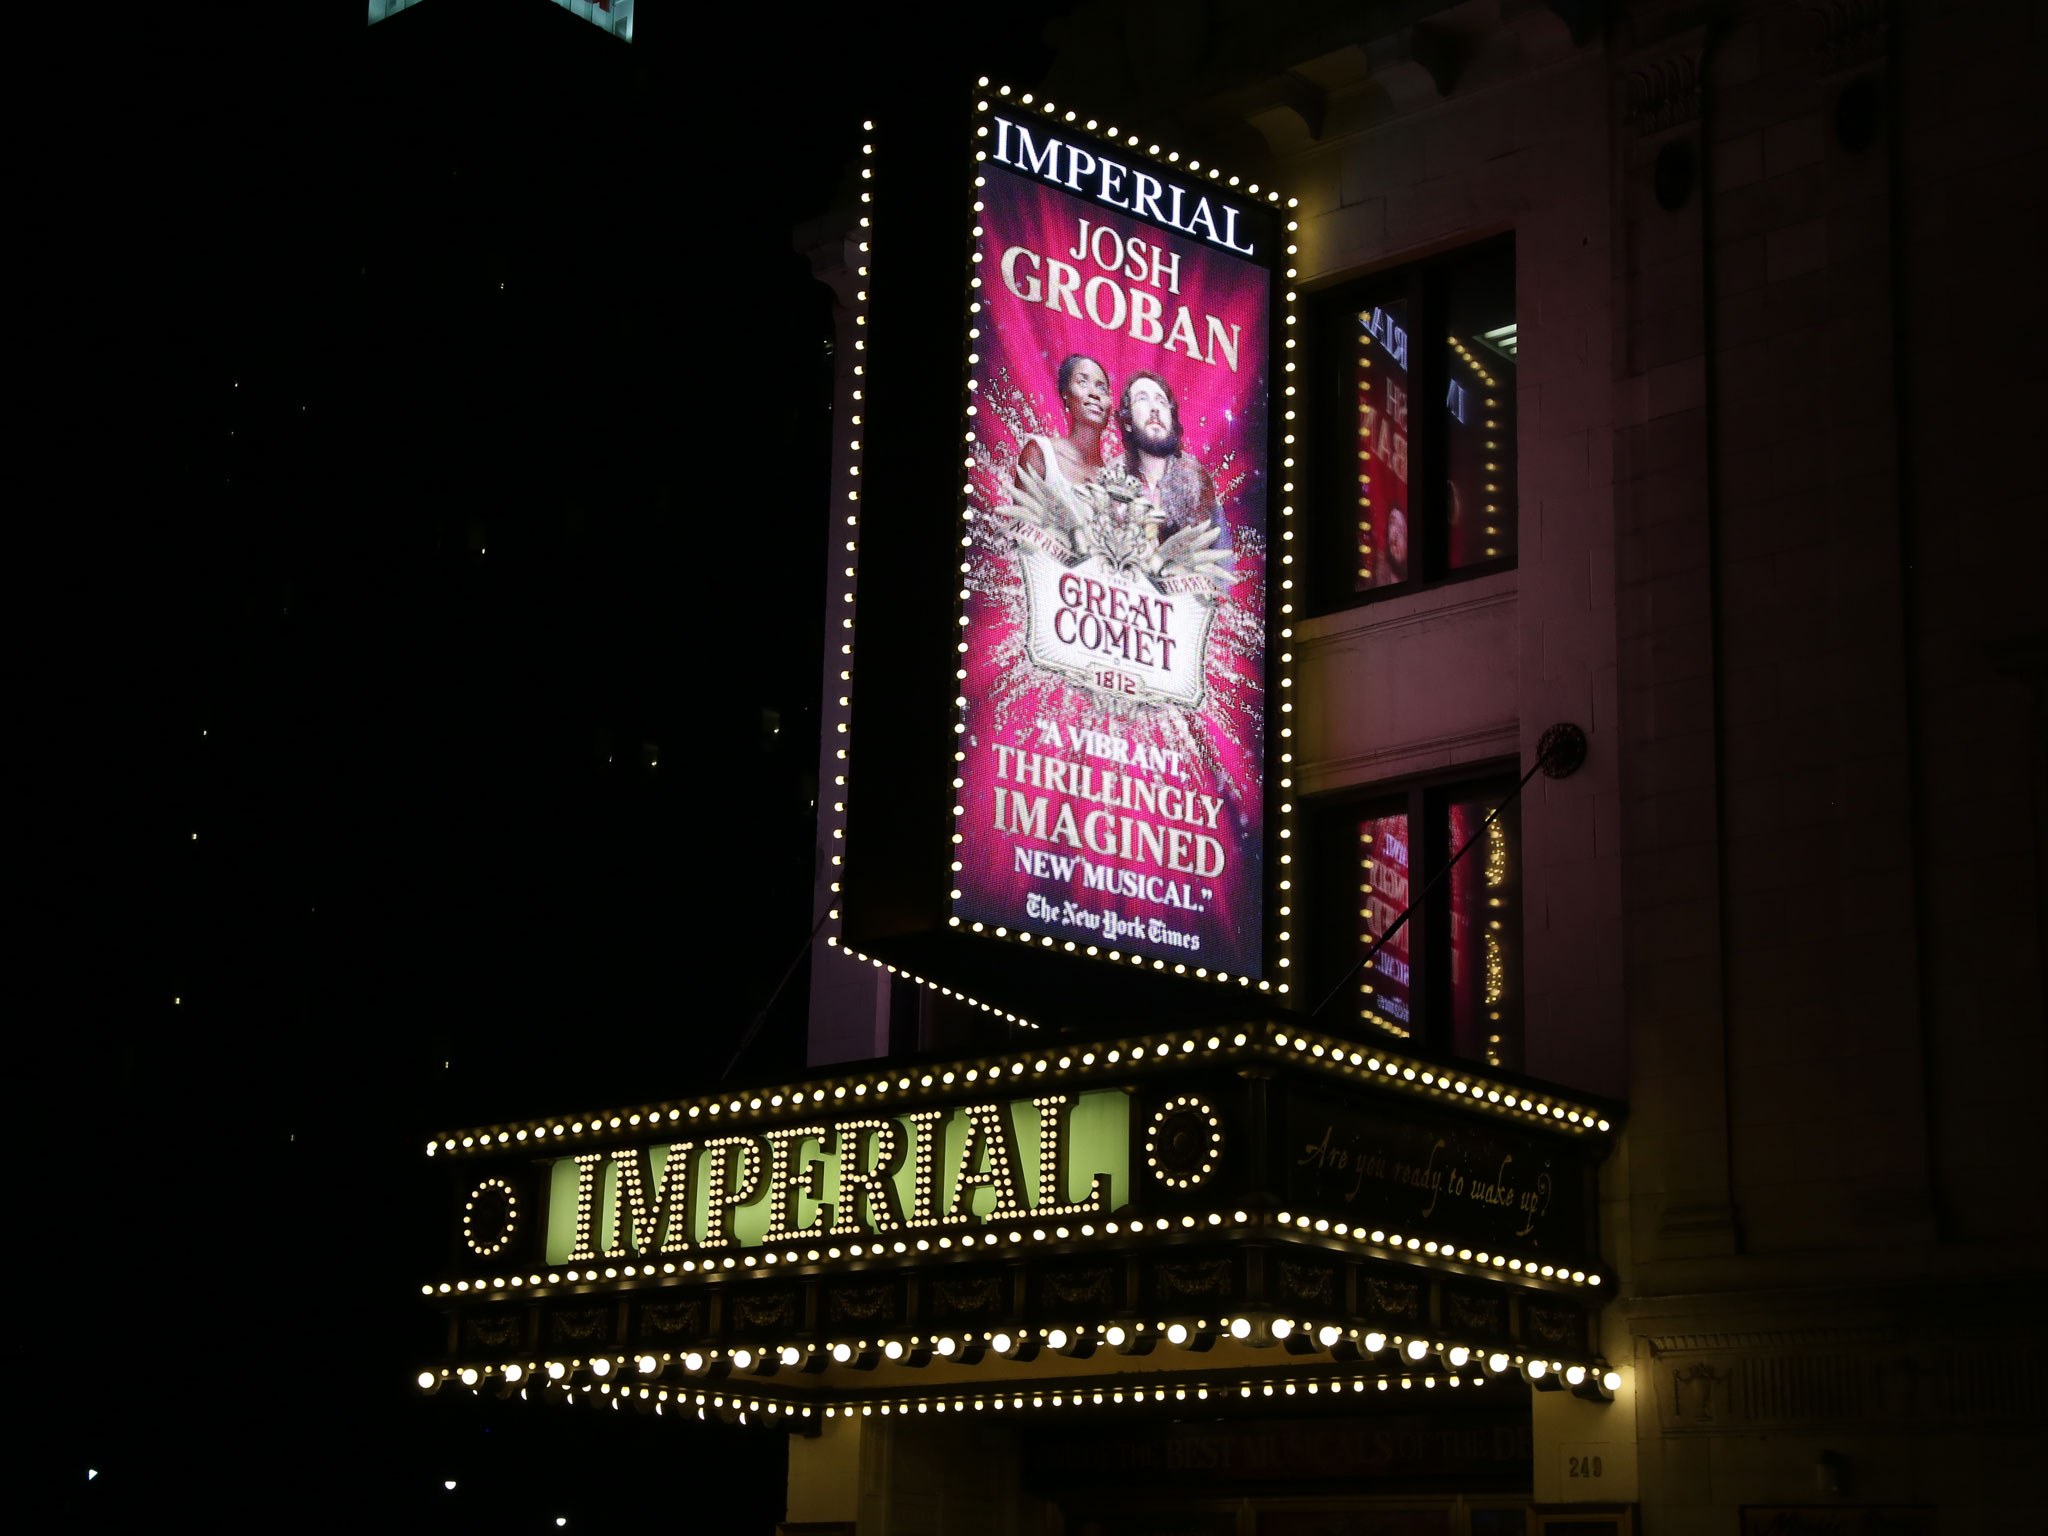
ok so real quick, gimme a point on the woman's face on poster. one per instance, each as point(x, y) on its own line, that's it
point(1087, 393)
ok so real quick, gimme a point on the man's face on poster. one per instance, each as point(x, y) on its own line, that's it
point(1150, 419)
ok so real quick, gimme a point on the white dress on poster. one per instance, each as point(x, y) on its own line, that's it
point(1055, 476)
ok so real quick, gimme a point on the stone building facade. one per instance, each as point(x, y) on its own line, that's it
point(1777, 550)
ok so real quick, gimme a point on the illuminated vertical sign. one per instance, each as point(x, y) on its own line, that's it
point(1111, 770)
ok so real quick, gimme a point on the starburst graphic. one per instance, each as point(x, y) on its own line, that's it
point(1021, 692)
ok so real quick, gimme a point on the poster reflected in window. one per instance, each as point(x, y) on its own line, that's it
point(1484, 932)
point(1380, 387)
point(1387, 998)
point(1481, 345)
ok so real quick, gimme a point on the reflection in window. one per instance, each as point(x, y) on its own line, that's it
point(1449, 977)
point(1380, 388)
point(1478, 365)
point(1415, 400)
point(1483, 931)
point(1383, 863)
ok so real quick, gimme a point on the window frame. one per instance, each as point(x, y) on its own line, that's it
point(1334, 942)
point(1423, 284)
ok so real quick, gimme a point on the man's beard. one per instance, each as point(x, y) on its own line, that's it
point(1162, 442)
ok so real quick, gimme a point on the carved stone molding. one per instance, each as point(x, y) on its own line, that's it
point(1202, 1278)
point(1503, 738)
point(1698, 1395)
point(663, 1319)
point(861, 1303)
point(1288, 110)
point(775, 1311)
point(1441, 51)
point(1664, 91)
point(1852, 32)
point(1584, 19)
point(1700, 1343)
point(1923, 1384)
point(1379, 621)
point(1475, 1314)
point(585, 1325)
point(1092, 1286)
point(1555, 1326)
point(1393, 1298)
point(970, 1296)
point(498, 1330)
point(1308, 1284)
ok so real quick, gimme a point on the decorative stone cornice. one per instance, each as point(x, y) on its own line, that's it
point(1583, 19)
point(1752, 1341)
point(1746, 1383)
point(1852, 32)
point(1664, 90)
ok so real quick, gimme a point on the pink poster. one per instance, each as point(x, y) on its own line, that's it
point(1112, 759)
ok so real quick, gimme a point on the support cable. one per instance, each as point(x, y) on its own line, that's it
point(1560, 753)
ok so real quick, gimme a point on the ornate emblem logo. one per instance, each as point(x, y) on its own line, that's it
point(1108, 602)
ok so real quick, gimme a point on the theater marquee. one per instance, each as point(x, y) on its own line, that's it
point(1204, 1217)
point(1111, 786)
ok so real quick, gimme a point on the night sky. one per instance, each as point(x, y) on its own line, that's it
point(440, 636)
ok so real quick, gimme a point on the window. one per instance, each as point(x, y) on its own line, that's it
point(1414, 376)
point(1450, 978)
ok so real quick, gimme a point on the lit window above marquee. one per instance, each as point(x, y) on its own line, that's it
point(1063, 1228)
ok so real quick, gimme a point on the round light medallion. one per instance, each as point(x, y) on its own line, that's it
point(1184, 1142)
